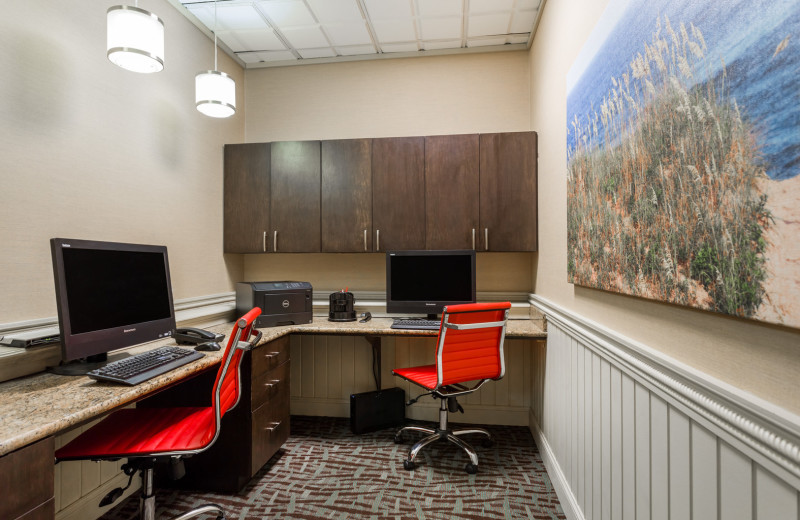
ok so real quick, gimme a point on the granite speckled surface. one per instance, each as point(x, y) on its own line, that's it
point(36, 406)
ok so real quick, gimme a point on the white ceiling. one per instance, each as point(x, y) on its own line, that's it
point(268, 33)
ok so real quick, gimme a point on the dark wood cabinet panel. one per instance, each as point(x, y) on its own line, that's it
point(508, 210)
point(346, 196)
point(295, 201)
point(246, 197)
point(398, 193)
point(451, 191)
point(27, 475)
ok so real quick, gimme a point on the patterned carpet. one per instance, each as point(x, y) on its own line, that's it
point(324, 471)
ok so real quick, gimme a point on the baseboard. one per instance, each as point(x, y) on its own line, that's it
point(569, 503)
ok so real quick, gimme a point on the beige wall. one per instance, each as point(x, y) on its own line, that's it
point(90, 150)
point(476, 93)
point(761, 359)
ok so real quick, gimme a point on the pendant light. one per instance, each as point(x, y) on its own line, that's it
point(215, 91)
point(135, 39)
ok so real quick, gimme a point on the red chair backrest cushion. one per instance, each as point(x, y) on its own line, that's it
point(228, 381)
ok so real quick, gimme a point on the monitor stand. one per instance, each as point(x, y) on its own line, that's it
point(80, 367)
point(434, 317)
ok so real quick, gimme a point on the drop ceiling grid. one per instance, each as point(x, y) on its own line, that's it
point(270, 32)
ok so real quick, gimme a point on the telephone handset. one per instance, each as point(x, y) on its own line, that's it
point(193, 336)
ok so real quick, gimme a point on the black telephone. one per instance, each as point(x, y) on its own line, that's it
point(193, 336)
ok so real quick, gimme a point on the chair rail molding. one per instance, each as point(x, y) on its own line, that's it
point(769, 434)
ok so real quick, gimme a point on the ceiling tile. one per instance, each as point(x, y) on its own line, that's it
point(388, 9)
point(261, 40)
point(309, 37)
point(317, 53)
point(399, 47)
point(490, 6)
point(229, 17)
point(395, 30)
point(452, 44)
point(348, 33)
point(522, 21)
point(528, 4)
point(519, 38)
point(257, 57)
point(441, 28)
point(287, 14)
point(488, 24)
point(429, 8)
point(485, 42)
point(356, 50)
point(328, 11)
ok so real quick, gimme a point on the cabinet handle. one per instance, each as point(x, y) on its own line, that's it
point(264, 241)
point(272, 355)
point(486, 237)
point(378, 240)
point(275, 240)
point(274, 426)
point(272, 383)
point(365, 240)
point(473, 238)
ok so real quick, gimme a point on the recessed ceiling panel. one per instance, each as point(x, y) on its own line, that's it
point(240, 41)
point(395, 30)
point(348, 33)
point(486, 42)
point(452, 44)
point(399, 47)
point(309, 37)
point(429, 8)
point(287, 14)
point(441, 28)
point(317, 53)
point(528, 4)
point(490, 6)
point(329, 11)
point(389, 9)
point(488, 24)
point(229, 17)
point(522, 21)
point(266, 57)
point(356, 50)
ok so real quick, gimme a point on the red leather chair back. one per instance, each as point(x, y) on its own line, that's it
point(227, 386)
point(472, 353)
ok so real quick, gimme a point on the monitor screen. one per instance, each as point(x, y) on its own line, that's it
point(110, 295)
point(423, 282)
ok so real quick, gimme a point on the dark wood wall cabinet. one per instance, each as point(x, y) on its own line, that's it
point(471, 191)
point(250, 434)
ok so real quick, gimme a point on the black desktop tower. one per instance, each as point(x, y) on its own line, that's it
point(376, 410)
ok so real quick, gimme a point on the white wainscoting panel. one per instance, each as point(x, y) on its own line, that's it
point(327, 369)
point(628, 434)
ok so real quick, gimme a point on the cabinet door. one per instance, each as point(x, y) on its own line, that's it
point(508, 192)
point(451, 191)
point(398, 193)
point(246, 198)
point(347, 196)
point(295, 187)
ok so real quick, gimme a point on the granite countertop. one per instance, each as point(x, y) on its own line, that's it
point(36, 406)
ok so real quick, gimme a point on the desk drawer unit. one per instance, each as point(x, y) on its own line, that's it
point(26, 477)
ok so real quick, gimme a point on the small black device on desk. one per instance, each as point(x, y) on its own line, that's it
point(341, 306)
point(281, 303)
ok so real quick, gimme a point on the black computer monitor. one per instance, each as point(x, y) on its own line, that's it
point(109, 296)
point(423, 282)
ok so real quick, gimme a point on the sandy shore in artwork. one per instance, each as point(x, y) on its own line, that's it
point(782, 301)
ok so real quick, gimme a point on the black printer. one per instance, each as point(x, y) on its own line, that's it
point(281, 303)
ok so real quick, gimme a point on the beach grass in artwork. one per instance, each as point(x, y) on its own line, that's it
point(663, 186)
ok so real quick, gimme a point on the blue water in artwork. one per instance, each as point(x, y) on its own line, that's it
point(743, 33)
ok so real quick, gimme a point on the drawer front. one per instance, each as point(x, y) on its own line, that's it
point(28, 471)
point(270, 386)
point(270, 430)
point(270, 355)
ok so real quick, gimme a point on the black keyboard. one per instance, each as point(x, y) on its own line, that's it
point(147, 365)
point(413, 324)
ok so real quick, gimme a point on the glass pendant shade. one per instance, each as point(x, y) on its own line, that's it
point(215, 93)
point(135, 39)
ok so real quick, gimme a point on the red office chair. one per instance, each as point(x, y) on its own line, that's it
point(144, 435)
point(470, 348)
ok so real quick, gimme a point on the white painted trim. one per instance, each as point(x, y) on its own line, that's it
point(768, 434)
point(567, 499)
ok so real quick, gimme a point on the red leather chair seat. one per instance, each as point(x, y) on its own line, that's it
point(137, 431)
point(424, 375)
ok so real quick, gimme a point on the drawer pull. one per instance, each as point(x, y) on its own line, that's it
point(272, 383)
point(274, 426)
point(272, 355)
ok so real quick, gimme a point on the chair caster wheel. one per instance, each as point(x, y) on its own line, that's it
point(471, 468)
point(487, 443)
point(398, 439)
point(408, 465)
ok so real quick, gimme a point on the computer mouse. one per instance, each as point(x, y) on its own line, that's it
point(208, 346)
